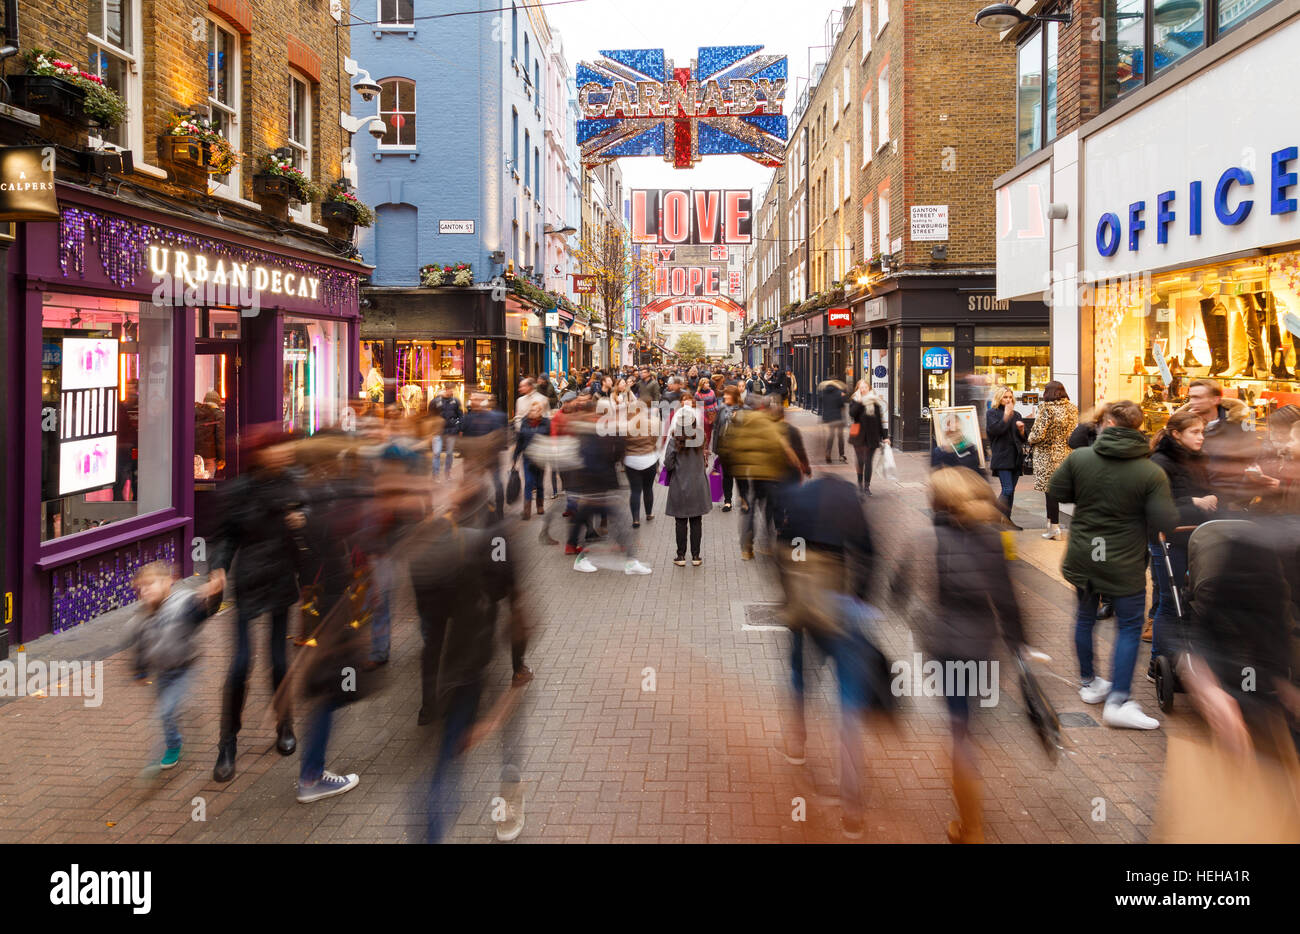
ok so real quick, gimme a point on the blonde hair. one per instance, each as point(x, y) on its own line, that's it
point(963, 495)
point(154, 570)
point(999, 391)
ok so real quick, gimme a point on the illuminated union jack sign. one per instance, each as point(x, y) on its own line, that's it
point(636, 103)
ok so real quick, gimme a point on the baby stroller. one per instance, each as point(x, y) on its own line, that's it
point(1213, 564)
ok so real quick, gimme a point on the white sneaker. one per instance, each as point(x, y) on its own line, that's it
point(636, 567)
point(1128, 716)
point(513, 825)
point(1053, 532)
point(1095, 691)
point(584, 565)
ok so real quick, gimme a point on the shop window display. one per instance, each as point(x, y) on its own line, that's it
point(424, 368)
point(1236, 322)
point(315, 374)
point(1022, 369)
point(107, 412)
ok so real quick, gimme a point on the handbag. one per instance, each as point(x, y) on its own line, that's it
point(514, 486)
point(339, 646)
point(1027, 465)
point(855, 429)
point(715, 481)
point(1047, 725)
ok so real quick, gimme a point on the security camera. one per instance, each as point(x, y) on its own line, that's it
point(366, 87)
point(377, 129)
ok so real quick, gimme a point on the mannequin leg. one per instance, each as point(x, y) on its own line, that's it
point(1216, 335)
point(1255, 334)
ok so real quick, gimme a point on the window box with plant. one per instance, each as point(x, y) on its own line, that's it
point(193, 143)
point(342, 211)
point(435, 275)
point(59, 89)
point(279, 180)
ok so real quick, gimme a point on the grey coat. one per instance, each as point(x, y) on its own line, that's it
point(688, 484)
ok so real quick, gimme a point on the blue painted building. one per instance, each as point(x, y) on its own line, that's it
point(457, 177)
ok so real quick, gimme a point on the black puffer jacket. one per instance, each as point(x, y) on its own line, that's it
point(1006, 444)
point(255, 528)
point(871, 424)
point(1187, 478)
point(974, 585)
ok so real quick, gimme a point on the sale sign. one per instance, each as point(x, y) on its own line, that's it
point(674, 216)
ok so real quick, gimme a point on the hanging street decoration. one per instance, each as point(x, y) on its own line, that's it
point(635, 102)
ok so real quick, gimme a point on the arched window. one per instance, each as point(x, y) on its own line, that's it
point(397, 107)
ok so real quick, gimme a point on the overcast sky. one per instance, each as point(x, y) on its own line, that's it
point(680, 28)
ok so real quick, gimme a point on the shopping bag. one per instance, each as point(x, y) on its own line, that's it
point(888, 466)
point(514, 486)
point(715, 481)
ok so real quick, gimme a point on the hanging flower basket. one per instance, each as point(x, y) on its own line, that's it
point(274, 187)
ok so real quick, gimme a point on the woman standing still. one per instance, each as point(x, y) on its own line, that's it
point(1006, 447)
point(730, 406)
point(536, 424)
point(688, 484)
point(1050, 442)
point(641, 459)
point(867, 412)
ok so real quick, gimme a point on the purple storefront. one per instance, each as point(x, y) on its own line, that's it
point(143, 342)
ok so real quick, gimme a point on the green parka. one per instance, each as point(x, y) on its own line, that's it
point(1121, 500)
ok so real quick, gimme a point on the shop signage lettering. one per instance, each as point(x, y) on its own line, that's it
point(1228, 199)
point(198, 270)
point(839, 317)
point(986, 303)
point(678, 215)
point(936, 358)
point(455, 227)
point(584, 285)
point(27, 184)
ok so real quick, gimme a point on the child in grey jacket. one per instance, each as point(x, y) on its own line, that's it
point(162, 635)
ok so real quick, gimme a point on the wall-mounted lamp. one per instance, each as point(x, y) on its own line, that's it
point(1003, 16)
point(939, 251)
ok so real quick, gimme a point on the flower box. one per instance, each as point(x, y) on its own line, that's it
point(275, 187)
point(338, 212)
point(188, 152)
point(50, 95)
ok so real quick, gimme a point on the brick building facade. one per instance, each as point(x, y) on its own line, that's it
point(894, 146)
point(162, 308)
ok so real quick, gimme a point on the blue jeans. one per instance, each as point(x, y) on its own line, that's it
point(1129, 612)
point(173, 686)
point(1165, 631)
point(534, 482)
point(443, 444)
point(316, 740)
point(848, 649)
point(1008, 480)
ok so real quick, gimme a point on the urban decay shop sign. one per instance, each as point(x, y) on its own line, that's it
point(27, 184)
point(184, 277)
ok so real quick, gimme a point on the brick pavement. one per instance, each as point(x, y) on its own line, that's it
point(695, 760)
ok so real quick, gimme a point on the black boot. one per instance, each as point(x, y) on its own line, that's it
point(224, 770)
point(285, 741)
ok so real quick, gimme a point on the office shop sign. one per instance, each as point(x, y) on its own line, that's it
point(27, 184)
point(1165, 190)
